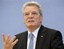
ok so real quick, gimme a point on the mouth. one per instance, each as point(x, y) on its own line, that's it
point(31, 21)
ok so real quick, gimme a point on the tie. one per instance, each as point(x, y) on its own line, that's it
point(31, 41)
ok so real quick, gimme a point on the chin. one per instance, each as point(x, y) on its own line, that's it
point(31, 25)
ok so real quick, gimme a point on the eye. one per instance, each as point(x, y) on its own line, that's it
point(26, 14)
point(34, 13)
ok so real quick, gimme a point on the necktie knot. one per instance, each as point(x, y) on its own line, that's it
point(31, 36)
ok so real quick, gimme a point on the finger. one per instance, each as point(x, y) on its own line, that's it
point(12, 39)
point(15, 42)
point(7, 39)
point(3, 37)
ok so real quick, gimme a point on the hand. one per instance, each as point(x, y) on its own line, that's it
point(9, 43)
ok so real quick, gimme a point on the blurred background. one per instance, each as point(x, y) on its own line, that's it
point(11, 17)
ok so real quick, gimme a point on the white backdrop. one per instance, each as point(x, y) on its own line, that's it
point(11, 18)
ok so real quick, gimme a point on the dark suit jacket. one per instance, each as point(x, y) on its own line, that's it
point(47, 39)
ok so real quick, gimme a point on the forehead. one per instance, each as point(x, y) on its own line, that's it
point(31, 8)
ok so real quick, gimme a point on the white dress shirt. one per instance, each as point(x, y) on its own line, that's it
point(35, 33)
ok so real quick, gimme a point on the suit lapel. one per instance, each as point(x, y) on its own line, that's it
point(24, 41)
point(40, 38)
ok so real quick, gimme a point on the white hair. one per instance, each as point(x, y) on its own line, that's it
point(31, 3)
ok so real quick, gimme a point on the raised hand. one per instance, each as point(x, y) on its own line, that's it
point(8, 42)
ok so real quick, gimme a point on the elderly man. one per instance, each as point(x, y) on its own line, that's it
point(37, 36)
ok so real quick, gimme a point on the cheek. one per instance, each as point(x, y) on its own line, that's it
point(38, 20)
point(24, 20)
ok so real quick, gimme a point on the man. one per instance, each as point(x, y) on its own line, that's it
point(44, 38)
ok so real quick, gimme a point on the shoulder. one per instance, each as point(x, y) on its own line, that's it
point(22, 34)
point(50, 31)
point(53, 33)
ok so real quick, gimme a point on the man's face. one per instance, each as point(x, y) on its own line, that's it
point(32, 17)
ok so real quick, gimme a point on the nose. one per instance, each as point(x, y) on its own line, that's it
point(30, 15)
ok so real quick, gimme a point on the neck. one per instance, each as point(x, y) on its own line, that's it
point(31, 29)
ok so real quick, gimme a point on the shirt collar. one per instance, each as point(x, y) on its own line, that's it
point(35, 33)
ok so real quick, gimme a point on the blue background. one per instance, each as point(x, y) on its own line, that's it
point(11, 18)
